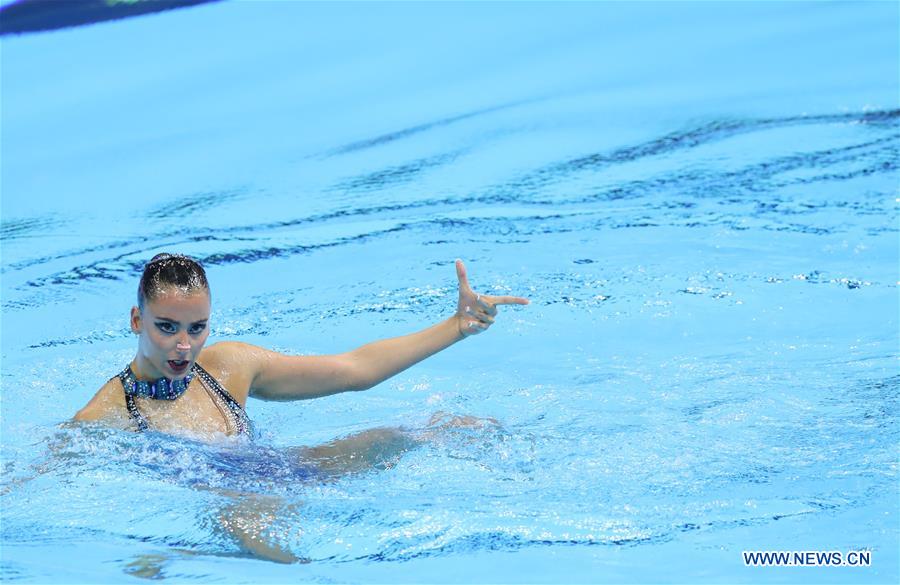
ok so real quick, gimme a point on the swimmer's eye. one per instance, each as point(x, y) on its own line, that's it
point(165, 327)
point(170, 328)
point(197, 328)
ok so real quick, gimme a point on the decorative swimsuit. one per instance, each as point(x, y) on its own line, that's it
point(236, 419)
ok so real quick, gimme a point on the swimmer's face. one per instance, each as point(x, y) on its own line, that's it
point(172, 329)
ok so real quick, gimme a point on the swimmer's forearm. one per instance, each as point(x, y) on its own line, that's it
point(281, 377)
point(285, 377)
point(376, 362)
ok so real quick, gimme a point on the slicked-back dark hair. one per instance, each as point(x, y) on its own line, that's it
point(165, 270)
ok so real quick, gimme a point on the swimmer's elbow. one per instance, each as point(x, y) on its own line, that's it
point(360, 386)
point(359, 381)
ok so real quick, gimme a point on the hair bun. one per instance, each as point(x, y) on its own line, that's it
point(160, 257)
point(167, 269)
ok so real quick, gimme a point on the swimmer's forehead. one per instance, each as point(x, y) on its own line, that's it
point(175, 303)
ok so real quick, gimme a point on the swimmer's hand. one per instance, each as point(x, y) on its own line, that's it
point(475, 312)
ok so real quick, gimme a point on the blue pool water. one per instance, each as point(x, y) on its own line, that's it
point(700, 199)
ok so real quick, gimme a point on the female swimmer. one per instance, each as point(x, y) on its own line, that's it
point(176, 385)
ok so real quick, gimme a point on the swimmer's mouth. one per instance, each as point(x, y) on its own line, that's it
point(178, 365)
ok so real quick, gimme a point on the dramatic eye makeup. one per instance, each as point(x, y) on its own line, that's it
point(172, 327)
point(166, 327)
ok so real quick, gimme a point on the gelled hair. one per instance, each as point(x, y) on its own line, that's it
point(170, 270)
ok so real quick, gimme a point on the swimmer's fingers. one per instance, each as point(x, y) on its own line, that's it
point(485, 305)
point(476, 312)
point(470, 327)
point(503, 300)
point(481, 316)
point(462, 276)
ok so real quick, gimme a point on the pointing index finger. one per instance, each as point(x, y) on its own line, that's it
point(506, 300)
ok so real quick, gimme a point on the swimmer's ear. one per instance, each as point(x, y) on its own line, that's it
point(135, 320)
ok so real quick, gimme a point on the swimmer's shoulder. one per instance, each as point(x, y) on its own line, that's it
point(234, 364)
point(230, 357)
point(228, 353)
point(108, 402)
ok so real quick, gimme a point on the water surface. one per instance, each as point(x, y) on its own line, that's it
point(699, 198)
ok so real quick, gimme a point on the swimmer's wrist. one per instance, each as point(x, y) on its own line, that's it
point(459, 332)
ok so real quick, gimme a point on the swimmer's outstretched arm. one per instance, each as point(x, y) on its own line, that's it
point(281, 377)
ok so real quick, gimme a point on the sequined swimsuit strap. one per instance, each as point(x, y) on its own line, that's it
point(130, 405)
point(239, 415)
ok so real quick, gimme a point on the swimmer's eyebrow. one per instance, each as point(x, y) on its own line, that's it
point(176, 321)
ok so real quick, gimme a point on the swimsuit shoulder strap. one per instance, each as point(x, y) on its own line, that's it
point(241, 420)
point(130, 405)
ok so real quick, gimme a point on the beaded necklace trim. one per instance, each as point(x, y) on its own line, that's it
point(162, 389)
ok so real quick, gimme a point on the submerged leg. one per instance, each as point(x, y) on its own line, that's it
point(382, 448)
point(148, 566)
point(249, 519)
point(373, 449)
point(445, 420)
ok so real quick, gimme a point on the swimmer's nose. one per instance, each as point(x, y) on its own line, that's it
point(182, 347)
